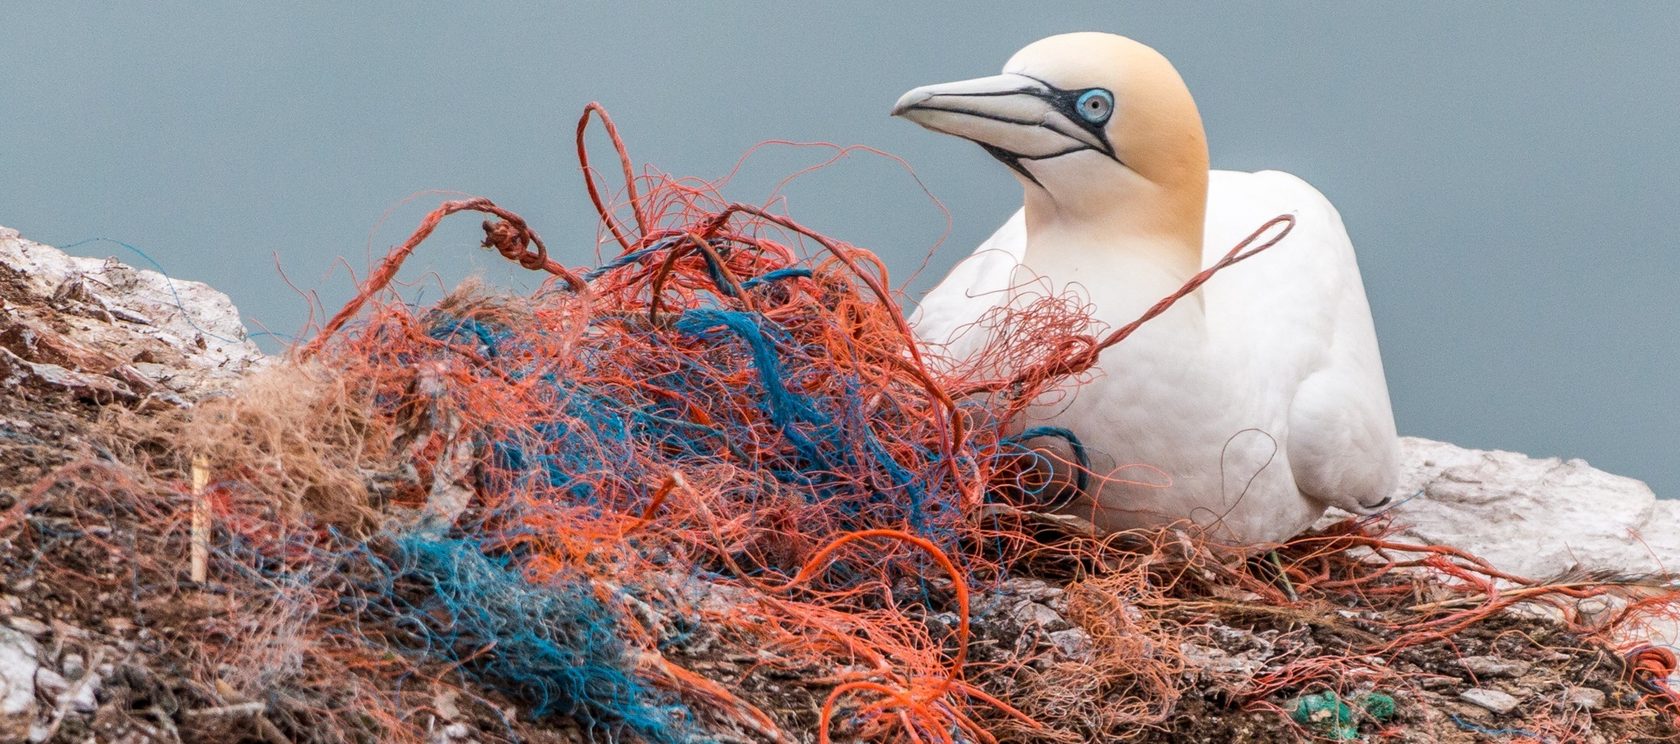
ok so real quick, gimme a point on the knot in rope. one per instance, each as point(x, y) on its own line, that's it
point(513, 243)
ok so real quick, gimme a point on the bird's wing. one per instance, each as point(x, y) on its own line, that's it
point(977, 284)
point(1302, 308)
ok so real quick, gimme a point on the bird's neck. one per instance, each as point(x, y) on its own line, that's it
point(1161, 215)
point(1144, 246)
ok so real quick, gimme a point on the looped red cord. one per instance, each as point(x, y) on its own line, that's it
point(594, 108)
point(1651, 668)
point(1072, 364)
point(511, 237)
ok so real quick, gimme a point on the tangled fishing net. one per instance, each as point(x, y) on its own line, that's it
point(712, 488)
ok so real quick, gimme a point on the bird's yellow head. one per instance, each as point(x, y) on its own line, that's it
point(1091, 121)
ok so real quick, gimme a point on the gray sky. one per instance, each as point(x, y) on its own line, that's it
point(1508, 172)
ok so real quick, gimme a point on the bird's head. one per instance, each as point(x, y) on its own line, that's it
point(1085, 120)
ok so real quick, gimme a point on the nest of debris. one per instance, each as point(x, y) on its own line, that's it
point(708, 490)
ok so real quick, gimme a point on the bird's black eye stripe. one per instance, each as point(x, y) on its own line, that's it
point(1067, 102)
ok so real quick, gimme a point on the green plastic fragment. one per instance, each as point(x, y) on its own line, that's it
point(1324, 709)
point(1377, 705)
point(1335, 719)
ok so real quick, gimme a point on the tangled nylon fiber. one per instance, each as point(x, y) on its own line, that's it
point(556, 645)
point(708, 401)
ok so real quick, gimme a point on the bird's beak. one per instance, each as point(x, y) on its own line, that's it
point(1013, 116)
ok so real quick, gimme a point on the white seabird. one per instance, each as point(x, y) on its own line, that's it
point(1258, 400)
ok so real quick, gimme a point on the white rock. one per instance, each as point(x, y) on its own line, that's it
point(1536, 517)
point(1036, 590)
point(73, 665)
point(451, 733)
point(134, 314)
point(19, 660)
point(1032, 614)
point(1493, 700)
point(1073, 644)
point(1492, 666)
point(84, 693)
point(1218, 662)
point(446, 705)
point(1585, 698)
point(15, 370)
point(28, 625)
point(50, 682)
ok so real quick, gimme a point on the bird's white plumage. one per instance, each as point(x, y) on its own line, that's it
point(1250, 405)
point(1285, 408)
point(980, 282)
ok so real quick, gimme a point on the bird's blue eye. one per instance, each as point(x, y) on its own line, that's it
point(1095, 105)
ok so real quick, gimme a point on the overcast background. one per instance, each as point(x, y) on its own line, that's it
point(1508, 172)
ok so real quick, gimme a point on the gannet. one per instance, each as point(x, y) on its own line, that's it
point(1257, 401)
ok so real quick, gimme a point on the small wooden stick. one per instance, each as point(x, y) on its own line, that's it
point(200, 519)
point(237, 709)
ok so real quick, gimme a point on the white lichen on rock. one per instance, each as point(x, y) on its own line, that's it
point(19, 661)
point(104, 328)
point(1536, 517)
